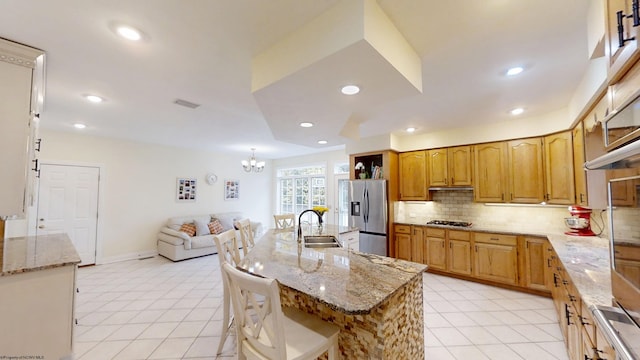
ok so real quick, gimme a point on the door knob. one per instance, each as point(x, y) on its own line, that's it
point(41, 227)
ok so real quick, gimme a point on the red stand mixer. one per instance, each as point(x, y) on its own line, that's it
point(579, 222)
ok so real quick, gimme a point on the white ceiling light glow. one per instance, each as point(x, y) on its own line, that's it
point(79, 126)
point(517, 111)
point(94, 98)
point(128, 33)
point(306, 124)
point(322, 142)
point(350, 90)
point(410, 129)
point(515, 70)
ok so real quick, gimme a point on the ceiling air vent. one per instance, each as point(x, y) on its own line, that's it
point(186, 103)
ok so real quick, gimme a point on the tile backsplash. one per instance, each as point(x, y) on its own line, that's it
point(458, 205)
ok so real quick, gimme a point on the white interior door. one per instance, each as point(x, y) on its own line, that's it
point(68, 203)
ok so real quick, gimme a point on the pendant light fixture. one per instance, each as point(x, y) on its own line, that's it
point(253, 164)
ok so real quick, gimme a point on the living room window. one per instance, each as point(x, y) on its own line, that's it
point(302, 188)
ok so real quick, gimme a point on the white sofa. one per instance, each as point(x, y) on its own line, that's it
point(177, 245)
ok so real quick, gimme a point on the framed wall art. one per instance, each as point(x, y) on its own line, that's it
point(185, 189)
point(231, 189)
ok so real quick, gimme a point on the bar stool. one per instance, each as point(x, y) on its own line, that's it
point(285, 221)
point(227, 254)
point(265, 330)
point(246, 234)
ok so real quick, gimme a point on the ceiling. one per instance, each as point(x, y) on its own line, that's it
point(202, 51)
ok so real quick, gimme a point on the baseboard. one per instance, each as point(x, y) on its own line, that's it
point(126, 257)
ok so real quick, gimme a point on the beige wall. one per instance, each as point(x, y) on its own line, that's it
point(138, 185)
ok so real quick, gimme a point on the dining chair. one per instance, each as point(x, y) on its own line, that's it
point(264, 330)
point(228, 253)
point(285, 221)
point(246, 234)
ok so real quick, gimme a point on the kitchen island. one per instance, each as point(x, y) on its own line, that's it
point(37, 279)
point(375, 300)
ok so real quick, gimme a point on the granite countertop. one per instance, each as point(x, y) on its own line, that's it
point(32, 253)
point(345, 280)
point(586, 260)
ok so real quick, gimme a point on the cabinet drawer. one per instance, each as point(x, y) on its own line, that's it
point(403, 229)
point(495, 238)
point(459, 235)
point(434, 232)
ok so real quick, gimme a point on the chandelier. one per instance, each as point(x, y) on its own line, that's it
point(253, 164)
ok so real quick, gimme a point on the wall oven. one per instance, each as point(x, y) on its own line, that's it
point(621, 323)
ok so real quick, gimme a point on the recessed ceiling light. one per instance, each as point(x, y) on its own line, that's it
point(350, 90)
point(128, 32)
point(517, 111)
point(306, 124)
point(410, 129)
point(79, 126)
point(322, 142)
point(94, 98)
point(515, 70)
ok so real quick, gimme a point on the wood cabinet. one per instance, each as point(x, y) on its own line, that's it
point(535, 255)
point(459, 252)
point(621, 45)
point(409, 242)
point(417, 244)
point(580, 174)
point(604, 350)
point(435, 253)
point(495, 258)
point(402, 242)
point(558, 158)
point(450, 167)
point(21, 94)
point(490, 172)
point(526, 171)
point(412, 176)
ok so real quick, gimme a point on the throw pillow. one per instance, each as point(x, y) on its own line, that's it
point(188, 228)
point(202, 228)
point(215, 227)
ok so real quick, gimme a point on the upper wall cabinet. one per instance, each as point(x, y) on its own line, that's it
point(526, 171)
point(413, 175)
point(622, 37)
point(21, 94)
point(558, 153)
point(490, 172)
point(578, 164)
point(450, 167)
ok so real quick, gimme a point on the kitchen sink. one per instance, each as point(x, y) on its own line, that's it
point(321, 241)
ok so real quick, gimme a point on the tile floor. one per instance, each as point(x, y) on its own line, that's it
point(157, 309)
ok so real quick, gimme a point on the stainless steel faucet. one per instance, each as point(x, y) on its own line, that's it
point(300, 223)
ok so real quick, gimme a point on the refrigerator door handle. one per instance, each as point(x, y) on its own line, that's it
point(366, 205)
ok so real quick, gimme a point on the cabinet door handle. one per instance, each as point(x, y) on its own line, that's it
point(38, 144)
point(635, 12)
point(452, 181)
point(36, 168)
point(494, 239)
point(620, 17)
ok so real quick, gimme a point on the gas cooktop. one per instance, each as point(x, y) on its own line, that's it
point(449, 223)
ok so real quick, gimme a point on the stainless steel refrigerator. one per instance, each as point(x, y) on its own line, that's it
point(368, 212)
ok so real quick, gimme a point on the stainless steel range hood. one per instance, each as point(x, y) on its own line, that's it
point(628, 156)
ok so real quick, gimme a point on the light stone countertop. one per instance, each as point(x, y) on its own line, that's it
point(586, 259)
point(345, 280)
point(33, 253)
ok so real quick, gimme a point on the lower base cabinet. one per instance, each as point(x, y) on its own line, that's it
point(435, 253)
point(459, 256)
point(37, 311)
point(496, 258)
